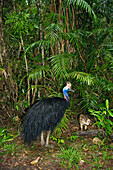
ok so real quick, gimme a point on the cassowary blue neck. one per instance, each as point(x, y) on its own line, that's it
point(65, 90)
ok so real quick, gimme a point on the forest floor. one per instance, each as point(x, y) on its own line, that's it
point(74, 152)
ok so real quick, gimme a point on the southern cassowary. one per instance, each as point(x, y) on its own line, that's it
point(45, 115)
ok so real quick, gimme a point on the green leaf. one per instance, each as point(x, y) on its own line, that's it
point(109, 128)
point(17, 107)
point(104, 112)
point(60, 141)
point(109, 121)
point(107, 103)
point(110, 113)
point(91, 110)
point(8, 138)
point(2, 130)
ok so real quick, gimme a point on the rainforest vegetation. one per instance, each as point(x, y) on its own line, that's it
point(44, 44)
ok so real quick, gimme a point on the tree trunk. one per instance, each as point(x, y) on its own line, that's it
point(60, 21)
point(72, 23)
point(40, 30)
point(13, 2)
point(35, 90)
point(28, 83)
point(54, 6)
point(80, 51)
point(1, 59)
point(8, 81)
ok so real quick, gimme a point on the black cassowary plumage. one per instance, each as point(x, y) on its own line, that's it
point(45, 115)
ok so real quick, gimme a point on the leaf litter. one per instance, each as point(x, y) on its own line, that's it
point(25, 157)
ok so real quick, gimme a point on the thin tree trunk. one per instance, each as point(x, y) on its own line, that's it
point(51, 7)
point(54, 6)
point(76, 21)
point(60, 21)
point(72, 24)
point(80, 48)
point(43, 57)
point(8, 81)
point(29, 2)
point(2, 45)
point(13, 2)
point(52, 51)
point(96, 46)
point(20, 46)
point(28, 83)
point(60, 2)
point(67, 25)
point(67, 19)
point(82, 58)
point(40, 31)
point(34, 93)
point(1, 59)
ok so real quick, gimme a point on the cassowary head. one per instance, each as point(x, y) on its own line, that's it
point(66, 89)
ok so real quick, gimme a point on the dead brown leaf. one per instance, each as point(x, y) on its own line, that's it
point(35, 161)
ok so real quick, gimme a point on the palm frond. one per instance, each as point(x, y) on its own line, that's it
point(54, 29)
point(81, 3)
point(61, 64)
point(38, 44)
point(83, 77)
point(40, 72)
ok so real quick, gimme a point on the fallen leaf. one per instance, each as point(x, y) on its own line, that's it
point(8, 159)
point(81, 162)
point(35, 161)
point(90, 156)
point(26, 152)
point(85, 154)
point(16, 163)
point(86, 149)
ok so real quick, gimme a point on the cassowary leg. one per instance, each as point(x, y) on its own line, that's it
point(85, 127)
point(81, 127)
point(47, 139)
point(42, 139)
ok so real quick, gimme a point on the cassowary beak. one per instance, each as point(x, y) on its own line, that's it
point(71, 90)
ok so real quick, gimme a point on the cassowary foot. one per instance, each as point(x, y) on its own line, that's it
point(42, 143)
point(49, 146)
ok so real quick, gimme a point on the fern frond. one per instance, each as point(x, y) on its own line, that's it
point(84, 77)
point(40, 72)
point(61, 64)
point(82, 4)
point(38, 44)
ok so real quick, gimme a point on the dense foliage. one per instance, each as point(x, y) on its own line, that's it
point(45, 43)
